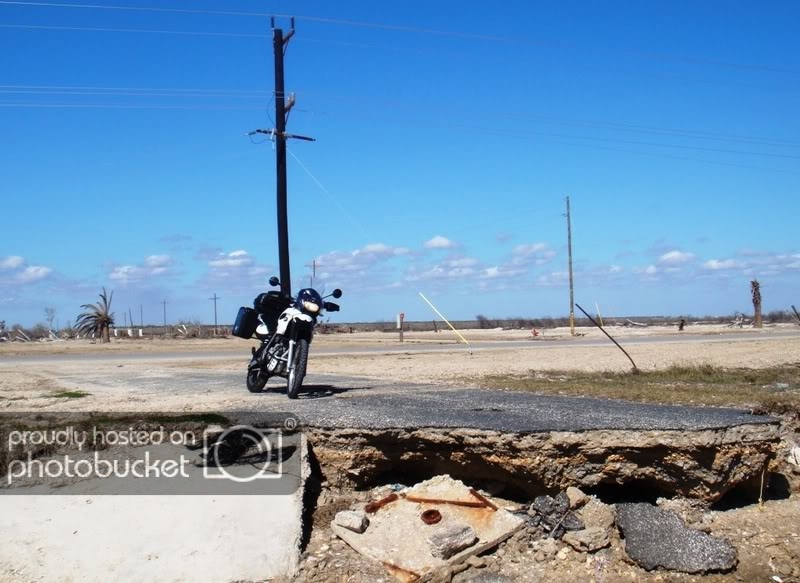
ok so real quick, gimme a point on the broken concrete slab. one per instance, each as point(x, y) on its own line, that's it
point(655, 538)
point(96, 537)
point(398, 538)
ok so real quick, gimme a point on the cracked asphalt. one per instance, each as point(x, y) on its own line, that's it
point(354, 402)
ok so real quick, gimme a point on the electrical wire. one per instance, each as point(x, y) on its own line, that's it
point(262, 93)
point(335, 200)
point(400, 28)
point(133, 30)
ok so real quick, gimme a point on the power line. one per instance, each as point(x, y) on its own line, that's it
point(133, 30)
point(256, 94)
point(125, 106)
point(397, 28)
point(457, 126)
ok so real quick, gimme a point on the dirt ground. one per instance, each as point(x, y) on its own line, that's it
point(766, 536)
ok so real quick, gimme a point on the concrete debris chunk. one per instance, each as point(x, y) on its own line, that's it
point(484, 577)
point(595, 513)
point(655, 537)
point(588, 540)
point(794, 456)
point(576, 497)
point(449, 540)
point(353, 520)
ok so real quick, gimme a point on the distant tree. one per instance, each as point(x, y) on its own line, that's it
point(755, 291)
point(49, 315)
point(97, 318)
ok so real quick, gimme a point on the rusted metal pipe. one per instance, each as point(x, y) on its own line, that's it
point(467, 503)
point(486, 502)
point(373, 507)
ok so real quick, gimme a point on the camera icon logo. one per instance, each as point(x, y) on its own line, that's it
point(242, 454)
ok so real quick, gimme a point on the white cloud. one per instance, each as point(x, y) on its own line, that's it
point(553, 279)
point(462, 262)
point(651, 270)
point(439, 242)
point(717, 265)
point(675, 257)
point(152, 266)
point(19, 273)
point(532, 253)
point(33, 273)
point(11, 262)
point(156, 261)
point(238, 258)
point(380, 249)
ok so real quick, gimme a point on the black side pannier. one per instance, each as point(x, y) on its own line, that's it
point(246, 323)
point(271, 305)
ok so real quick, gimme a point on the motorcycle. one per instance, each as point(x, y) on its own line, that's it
point(285, 327)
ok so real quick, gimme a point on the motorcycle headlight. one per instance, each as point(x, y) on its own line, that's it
point(310, 307)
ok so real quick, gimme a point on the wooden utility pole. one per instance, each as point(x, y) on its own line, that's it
point(313, 266)
point(164, 303)
point(214, 299)
point(571, 285)
point(279, 136)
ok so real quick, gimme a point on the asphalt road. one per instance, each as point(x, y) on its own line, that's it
point(408, 347)
point(352, 402)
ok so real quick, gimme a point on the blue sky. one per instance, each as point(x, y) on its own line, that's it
point(448, 135)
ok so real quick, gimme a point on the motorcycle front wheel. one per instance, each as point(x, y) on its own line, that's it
point(256, 380)
point(298, 372)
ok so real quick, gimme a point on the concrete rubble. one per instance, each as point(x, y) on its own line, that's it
point(409, 548)
point(353, 520)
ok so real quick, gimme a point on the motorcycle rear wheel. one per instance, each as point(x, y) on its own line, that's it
point(256, 380)
point(298, 373)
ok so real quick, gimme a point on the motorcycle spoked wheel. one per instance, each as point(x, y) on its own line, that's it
point(298, 373)
point(256, 380)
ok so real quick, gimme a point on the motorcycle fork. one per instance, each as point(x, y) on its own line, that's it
point(290, 357)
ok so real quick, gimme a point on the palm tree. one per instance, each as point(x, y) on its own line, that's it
point(98, 318)
point(755, 291)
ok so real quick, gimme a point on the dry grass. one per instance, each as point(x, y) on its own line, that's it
point(775, 389)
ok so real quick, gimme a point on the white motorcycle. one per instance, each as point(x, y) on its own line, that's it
point(285, 327)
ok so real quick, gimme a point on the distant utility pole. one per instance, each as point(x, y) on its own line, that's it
point(164, 303)
point(214, 299)
point(313, 266)
point(571, 286)
point(141, 316)
point(279, 135)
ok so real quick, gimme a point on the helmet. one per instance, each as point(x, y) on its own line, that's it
point(308, 301)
